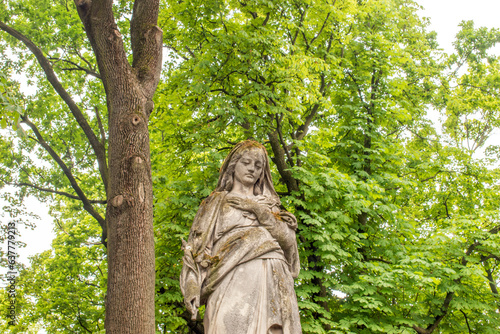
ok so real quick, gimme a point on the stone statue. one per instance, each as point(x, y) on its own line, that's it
point(241, 255)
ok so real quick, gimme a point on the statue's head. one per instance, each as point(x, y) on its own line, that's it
point(263, 183)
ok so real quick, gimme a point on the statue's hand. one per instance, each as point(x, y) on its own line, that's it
point(260, 210)
point(267, 201)
point(192, 306)
point(289, 219)
point(244, 204)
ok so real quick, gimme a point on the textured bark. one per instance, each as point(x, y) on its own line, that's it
point(129, 215)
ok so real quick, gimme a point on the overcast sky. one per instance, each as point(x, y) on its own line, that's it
point(445, 15)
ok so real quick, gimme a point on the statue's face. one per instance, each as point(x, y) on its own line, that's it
point(249, 168)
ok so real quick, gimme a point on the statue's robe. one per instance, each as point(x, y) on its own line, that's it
point(242, 271)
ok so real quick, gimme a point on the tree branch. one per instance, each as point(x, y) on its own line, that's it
point(104, 36)
point(279, 160)
point(447, 299)
point(466, 320)
point(444, 311)
point(77, 113)
point(266, 19)
point(147, 43)
point(62, 193)
point(301, 22)
point(489, 272)
point(177, 52)
point(87, 205)
point(86, 61)
point(328, 48)
point(303, 129)
point(190, 51)
point(80, 320)
point(282, 141)
point(254, 14)
point(491, 256)
point(321, 30)
point(101, 128)
point(357, 87)
point(78, 67)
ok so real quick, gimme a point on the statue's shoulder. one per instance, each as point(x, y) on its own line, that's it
point(217, 194)
point(207, 210)
point(214, 197)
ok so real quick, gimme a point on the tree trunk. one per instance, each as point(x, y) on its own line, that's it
point(129, 214)
point(131, 274)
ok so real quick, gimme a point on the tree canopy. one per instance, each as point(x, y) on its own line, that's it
point(381, 146)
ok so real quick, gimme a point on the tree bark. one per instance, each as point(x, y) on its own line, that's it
point(129, 215)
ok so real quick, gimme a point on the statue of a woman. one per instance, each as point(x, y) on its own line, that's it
point(241, 255)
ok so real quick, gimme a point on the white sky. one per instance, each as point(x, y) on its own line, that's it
point(445, 15)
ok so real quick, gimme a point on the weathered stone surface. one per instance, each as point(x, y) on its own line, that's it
point(241, 255)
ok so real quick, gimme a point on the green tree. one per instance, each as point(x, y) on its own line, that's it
point(64, 288)
point(458, 204)
point(69, 67)
point(340, 93)
point(9, 105)
point(334, 89)
point(398, 222)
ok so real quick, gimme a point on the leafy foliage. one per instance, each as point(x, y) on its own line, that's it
point(398, 219)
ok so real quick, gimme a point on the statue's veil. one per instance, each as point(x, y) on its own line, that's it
point(263, 186)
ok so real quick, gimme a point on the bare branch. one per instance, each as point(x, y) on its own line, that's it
point(491, 256)
point(466, 320)
point(449, 296)
point(304, 128)
point(282, 141)
point(302, 16)
point(489, 272)
point(85, 60)
point(443, 311)
point(254, 14)
point(420, 330)
point(222, 21)
point(360, 94)
point(305, 40)
point(432, 177)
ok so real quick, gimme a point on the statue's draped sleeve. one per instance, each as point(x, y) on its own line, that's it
point(289, 246)
point(282, 229)
point(197, 249)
